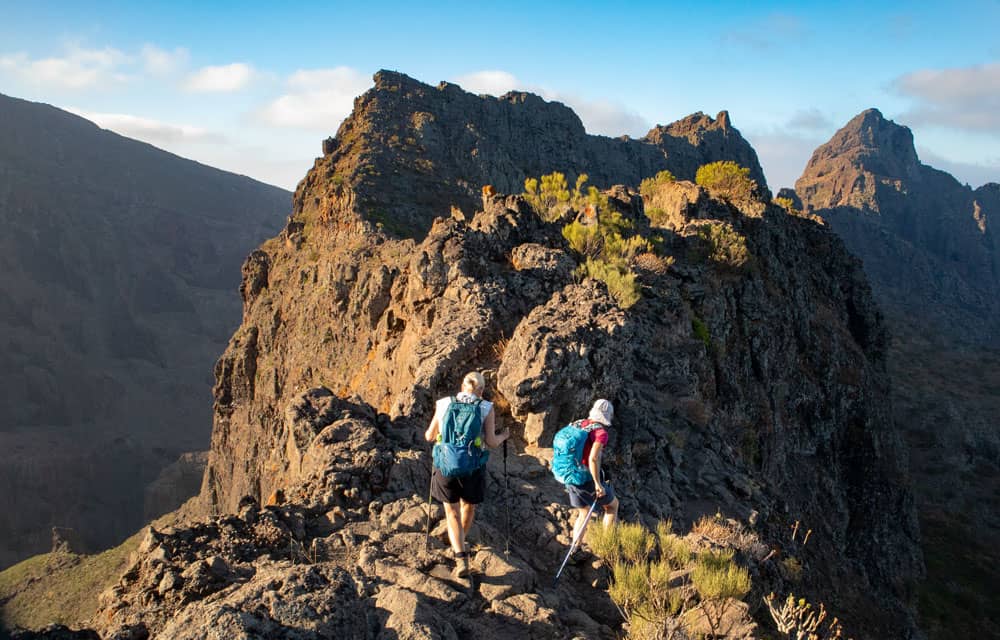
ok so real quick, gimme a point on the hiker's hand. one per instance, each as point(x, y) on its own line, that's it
point(599, 490)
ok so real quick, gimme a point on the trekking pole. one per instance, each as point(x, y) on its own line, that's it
point(506, 499)
point(427, 534)
point(576, 541)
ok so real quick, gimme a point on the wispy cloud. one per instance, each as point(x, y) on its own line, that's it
point(316, 99)
point(783, 154)
point(811, 119)
point(149, 130)
point(961, 98)
point(220, 79)
point(157, 61)
point(79, 68)
point(602, 117)
point(768, 33)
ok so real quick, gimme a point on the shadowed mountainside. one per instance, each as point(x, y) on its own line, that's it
point(931, 251)
point(120, 268)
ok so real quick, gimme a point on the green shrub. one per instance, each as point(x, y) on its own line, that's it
point(700, 330)
point(550, 197)
point(584, 239)
point(648, 186)
point(724, 245)
point(727, 179)
point(788, 205)
point(641, 587)
point(619, 280)
point(674, 550)
point(717, 577)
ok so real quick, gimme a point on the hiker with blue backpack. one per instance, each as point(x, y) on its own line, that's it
point(576, 462)
point(463, 427)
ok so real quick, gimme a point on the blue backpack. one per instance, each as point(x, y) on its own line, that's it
point(567, 453)
point(459, 449)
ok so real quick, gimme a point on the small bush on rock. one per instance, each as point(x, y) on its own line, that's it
point(648, 186)
point(724, 245)
point(649, 587)
point(727, 179)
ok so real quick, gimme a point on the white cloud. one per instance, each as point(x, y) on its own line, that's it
point(316, 99)
point(599, 116)
point(961, 98)
point(149, 130)
point(223, 78)
point(494, 83)
point(79, 68)
point(157, 61)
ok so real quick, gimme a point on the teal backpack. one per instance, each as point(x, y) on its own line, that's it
point(459, 449)
point(567, 452)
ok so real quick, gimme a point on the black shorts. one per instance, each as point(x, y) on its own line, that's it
point(582, 496)
point(470, 489)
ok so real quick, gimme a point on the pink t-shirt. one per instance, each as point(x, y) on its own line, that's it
point(599, 434)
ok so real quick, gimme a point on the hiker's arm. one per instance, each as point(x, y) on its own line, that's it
point(490, 428)
point(432, 431)
point(595, 467)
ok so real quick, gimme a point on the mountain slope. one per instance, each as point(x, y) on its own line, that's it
point(930, 250)
point(120, 270)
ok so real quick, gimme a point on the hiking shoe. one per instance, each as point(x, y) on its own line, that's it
point(461, 565)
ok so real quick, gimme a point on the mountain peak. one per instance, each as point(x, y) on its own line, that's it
point(411, 151)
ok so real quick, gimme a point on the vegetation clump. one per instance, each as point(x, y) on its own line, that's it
point(797, 619)
point(727, 179)
point(648, 186)
point(725, 246)
point(660, 586)
point(605, 240)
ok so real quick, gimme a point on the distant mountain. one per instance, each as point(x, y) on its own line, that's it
point(931, 250)
point(121, 267)
point(928, 242)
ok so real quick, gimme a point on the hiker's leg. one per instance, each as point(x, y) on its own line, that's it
point(456, 535)
point(611, 513)
point(582, 516)
point(468, 515)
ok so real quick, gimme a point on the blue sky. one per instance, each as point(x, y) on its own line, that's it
point(254, 87)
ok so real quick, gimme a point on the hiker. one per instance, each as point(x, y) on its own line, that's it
point(462, 425)
point(576, 462)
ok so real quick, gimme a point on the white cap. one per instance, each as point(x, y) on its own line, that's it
point(602, 412)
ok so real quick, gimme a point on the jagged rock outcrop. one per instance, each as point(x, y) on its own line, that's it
point(118, 293)
point(925, 239)
point(410, 151)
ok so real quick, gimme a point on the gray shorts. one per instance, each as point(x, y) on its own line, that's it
point(581, 496)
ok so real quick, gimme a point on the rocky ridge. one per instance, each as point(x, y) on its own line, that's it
point(410, 151)
point(756, 391)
